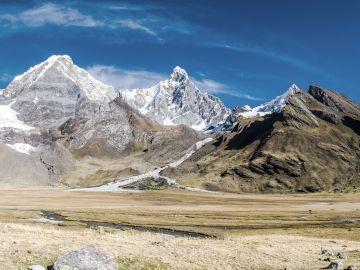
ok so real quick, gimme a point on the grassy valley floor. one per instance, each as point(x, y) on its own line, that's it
point(179, 230)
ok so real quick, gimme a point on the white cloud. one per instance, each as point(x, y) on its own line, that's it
point(130, 79)
point(134, 25)
point(125, 79)
point(5, 77)
point(135, 18)
point(51, 14)
point(214, 87)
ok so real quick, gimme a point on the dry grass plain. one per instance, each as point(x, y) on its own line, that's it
point(252, 231)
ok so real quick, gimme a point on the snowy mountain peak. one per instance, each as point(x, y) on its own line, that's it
point(59, 72)
point(178, 101)
point(62, 58)
point(276, 105)
point(293, 89)
point(179, 74)
point(46, 64)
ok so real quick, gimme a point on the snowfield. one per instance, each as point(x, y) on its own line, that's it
point(8, 118)
point(275, 105)
point(22, 148)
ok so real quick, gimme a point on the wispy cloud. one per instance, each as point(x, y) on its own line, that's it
point(214, 87)
point(136, 18)
point(134, 25)
point(125, 79)
point(131, 79)
point(270, 53)
point(50, 14)
point(5, 77)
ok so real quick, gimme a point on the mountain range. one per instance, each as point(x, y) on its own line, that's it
point(61, 126)
point(178, 101)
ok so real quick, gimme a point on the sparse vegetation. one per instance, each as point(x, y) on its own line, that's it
point(136, 263)
point(253, 231)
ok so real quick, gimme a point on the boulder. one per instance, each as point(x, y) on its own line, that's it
point(327, 252)
point(351, 267)
point(88, 258)
point(342, 255)
point(36, 267)
point(335, 266)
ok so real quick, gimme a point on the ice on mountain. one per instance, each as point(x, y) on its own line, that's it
point(22, 148)
point(8, 118)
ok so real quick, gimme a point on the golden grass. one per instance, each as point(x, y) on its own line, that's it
point(149, 250)
point(254, 231)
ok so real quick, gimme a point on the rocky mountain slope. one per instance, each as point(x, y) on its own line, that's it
point(310, 143)
point(178, 101)
point(61, 120)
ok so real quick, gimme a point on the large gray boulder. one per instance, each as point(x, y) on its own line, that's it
point(335, 266)
point(88, 258)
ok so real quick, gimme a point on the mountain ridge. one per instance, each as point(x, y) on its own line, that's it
point(65, 127)
point(309, 146)
point(178, 100)
point(60, 106)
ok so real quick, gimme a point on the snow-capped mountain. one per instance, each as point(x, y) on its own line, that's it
point(60, 69)
point(54, 90)
point(274, 106)
point(178, 101)
point(56, 113)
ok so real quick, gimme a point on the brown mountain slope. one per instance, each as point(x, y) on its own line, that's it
point(132, 144)
point(312, 145)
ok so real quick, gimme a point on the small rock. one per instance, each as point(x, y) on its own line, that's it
point(161, 244)
point(351, 267)
point(88, 258)
point(326, 252)
point(36, 267)
point(341, 255)
point(335, 266)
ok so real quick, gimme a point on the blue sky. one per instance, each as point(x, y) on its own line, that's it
point(245, 52)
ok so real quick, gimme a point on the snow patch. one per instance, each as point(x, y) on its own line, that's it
point(275, 105)
point(200, 126)
point(22, 148)
point(168, 122)
point(8, 118)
